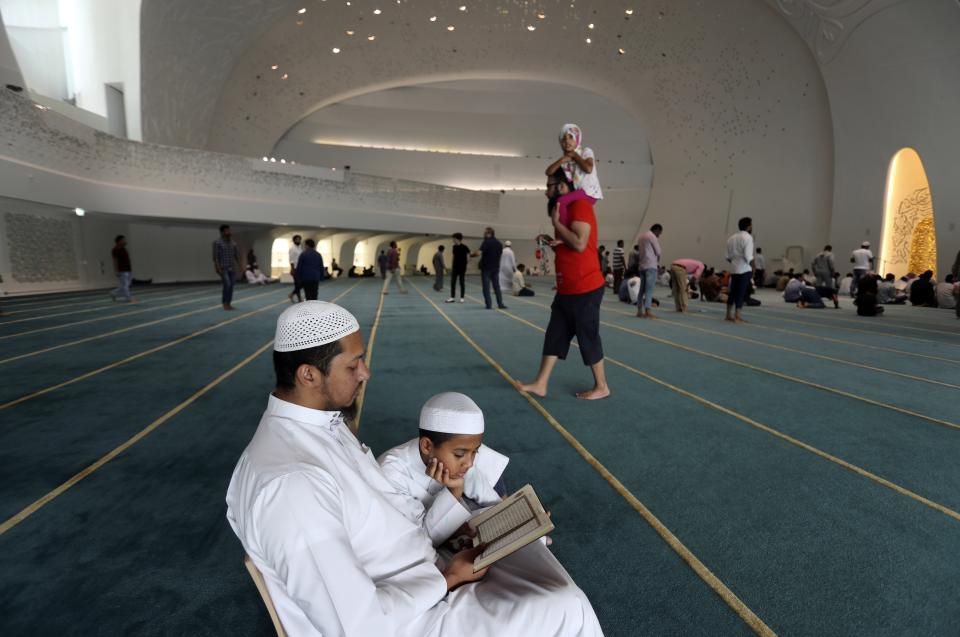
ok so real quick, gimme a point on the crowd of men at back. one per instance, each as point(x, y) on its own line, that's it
point(634, 277)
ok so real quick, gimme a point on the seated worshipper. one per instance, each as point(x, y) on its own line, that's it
point(922, 291)
point(791, 292)
point(311, 507)
point(810, 298)
point(866, 300)
point(904, 282)
point(845, 284)
point(711, 289)
point(519, 286)
point(945, 298)
point(887, 293)
point(445, 474)
point(256, 277)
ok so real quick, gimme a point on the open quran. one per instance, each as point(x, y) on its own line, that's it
point(509, 526)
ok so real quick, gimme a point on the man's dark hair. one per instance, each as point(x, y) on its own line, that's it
point(296, 236)
point(927, 275)
point(759, 250)
point(286, 364)
point(393, 244)
point(890, 277)
point(745, 223)
point(119, 238)
point(619, 243)
point(224, 227)
point(441, 248)
point(437, 437)
point(310, 243)
point(636, 246)
point(948, 279)
point(458, 236)
point(561, 176)
point(656, 228)
point(828, 248)
point(521, 267)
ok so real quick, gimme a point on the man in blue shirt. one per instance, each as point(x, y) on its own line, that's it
point(310, 269)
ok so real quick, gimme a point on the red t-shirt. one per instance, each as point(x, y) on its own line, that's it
point(579, 272)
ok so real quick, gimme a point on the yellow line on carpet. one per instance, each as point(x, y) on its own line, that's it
point(120, 331)
point(368, 359)
point(46, 499)
point(770, 430)
point(888, 321)
point(93, 309)
point(106, 318)
point(805, 335)
point(105, 302)
point(770, 372)
point(38, 504)
point(667, 321)
point(721, 589)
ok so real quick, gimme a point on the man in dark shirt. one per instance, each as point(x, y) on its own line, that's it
point(922, 291)
point(461, 254)
point(438, 267)
point(490, 252)
point(226, 261)
point(310, 269)
point(121, 267)
point(382, 264)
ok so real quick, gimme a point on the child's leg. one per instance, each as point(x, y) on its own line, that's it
point(567, 199)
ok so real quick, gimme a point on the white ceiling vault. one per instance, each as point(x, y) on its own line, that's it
point(718, 89)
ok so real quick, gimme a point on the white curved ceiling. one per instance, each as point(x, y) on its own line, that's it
point(477, 134)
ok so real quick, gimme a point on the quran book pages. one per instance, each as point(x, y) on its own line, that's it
point(508, 526)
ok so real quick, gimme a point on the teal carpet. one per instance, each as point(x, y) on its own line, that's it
point(808, 459)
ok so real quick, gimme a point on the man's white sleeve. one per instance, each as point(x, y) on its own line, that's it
point(303, 537)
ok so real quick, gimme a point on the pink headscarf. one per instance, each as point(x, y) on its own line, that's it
point(574, 130)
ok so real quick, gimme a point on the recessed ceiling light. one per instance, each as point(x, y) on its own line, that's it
point(621, 51)
point(451, 28)
point(433, 18)
point(629, 11)
point(299, 23)
point(371, 37)
point(274, 67)
point(335, 49)
point(590, 26)
point(589, 40)
point(273, 160)
point(284, 76)
point(283, 161)
point(377, 12)
point(302, 11)
point(530, 27)
point(541, 15)
point(463, 7)
point(349, 31)
point(266, 159)
point(80, 211)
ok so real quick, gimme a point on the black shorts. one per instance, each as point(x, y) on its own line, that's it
point(575, 315)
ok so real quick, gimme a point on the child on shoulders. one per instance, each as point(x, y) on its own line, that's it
point(579, 164)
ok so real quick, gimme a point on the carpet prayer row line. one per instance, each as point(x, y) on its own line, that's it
point(789, 480)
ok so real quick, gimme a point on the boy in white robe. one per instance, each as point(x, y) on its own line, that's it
point(445, 474)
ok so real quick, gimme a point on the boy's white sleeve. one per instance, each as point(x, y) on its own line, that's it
point(444, 517)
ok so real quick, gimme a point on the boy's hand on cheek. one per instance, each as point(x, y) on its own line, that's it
point(441, 474)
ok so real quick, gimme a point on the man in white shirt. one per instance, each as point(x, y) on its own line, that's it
point(944, 291)
point(518, 285)
point(308, 502)
point(739, 253)
point(508, 265)
point(862, 260)
point(295, 251)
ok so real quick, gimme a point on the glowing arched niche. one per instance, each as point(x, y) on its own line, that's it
point(909, 240)
point(279, 257)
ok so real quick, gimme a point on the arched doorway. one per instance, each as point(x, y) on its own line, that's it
point(279, 257)
point(909, 238)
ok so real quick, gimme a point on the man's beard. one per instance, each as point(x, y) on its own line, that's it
point(551, 204)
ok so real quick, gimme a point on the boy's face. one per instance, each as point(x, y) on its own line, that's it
point(568, 142)
point(456, 454)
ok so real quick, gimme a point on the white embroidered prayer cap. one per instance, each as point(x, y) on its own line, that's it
point(312, 323)
point(451, 413)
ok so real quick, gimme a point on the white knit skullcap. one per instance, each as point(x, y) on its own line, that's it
point(312, 323)
point(451, 413)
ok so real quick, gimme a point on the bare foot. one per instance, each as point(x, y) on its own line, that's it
point(739, 320)
point(729, 319)
point(649, 315)
point(594, 394)
point(533, 388)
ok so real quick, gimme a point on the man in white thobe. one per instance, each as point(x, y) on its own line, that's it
point(508, 265)
point(307, 502)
